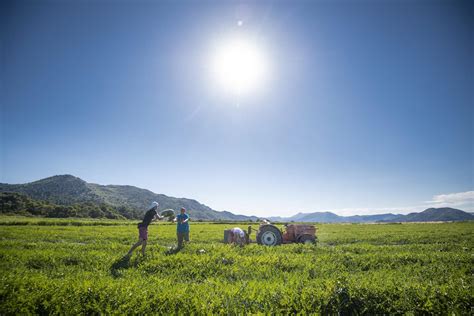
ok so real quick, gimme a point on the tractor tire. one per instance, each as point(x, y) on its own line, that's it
point(307, 239)
point(269, 235)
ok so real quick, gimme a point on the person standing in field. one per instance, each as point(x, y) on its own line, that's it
point(182, 227)
point(150, 216)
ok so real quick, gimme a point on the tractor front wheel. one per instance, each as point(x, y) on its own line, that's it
point(269, 235)
point(307, 239)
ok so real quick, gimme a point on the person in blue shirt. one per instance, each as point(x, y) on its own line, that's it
point(182, 227)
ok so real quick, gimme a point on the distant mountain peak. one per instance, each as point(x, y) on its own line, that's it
point(61, 177)
point(428, 215)
point(441, 209)
point(67, 189)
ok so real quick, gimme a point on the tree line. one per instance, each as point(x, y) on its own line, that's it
point(20, 204)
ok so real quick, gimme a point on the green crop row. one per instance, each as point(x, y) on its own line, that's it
point(358, 269)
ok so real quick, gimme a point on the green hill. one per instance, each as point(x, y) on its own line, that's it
point(20, 204)
point(128, 201)
point(443, 214)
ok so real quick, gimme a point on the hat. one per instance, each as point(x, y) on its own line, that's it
point(154, 205)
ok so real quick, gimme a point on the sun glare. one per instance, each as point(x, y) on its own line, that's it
point(238, 66)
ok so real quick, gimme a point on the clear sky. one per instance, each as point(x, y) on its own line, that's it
point(366, 105)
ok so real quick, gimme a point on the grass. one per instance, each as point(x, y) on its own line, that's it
point(58, 267)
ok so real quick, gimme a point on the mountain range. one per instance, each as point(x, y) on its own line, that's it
point(428, 215)
point(69, 190)
point(63, 195)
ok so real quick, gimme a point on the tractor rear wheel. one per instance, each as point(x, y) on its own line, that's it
point(307, 239)
point(269, 235)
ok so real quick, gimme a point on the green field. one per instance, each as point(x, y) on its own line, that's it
point(51, 267)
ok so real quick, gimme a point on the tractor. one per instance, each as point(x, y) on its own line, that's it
point(270, 235)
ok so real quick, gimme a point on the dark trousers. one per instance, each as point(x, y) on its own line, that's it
point(184, 236)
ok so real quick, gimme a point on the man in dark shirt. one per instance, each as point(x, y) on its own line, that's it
point(150, 216)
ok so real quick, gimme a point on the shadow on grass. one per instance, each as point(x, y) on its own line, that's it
point(172, 251)
point(123, 263)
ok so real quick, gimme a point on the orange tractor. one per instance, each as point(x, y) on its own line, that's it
point(270, 235)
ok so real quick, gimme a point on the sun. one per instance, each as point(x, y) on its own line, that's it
point(239, 66)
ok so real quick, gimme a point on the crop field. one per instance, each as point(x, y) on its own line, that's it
point(77, 267)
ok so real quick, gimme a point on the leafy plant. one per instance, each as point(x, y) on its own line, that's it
point(56, 266)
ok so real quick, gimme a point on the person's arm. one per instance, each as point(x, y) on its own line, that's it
point(157, 217)
point(187, 219)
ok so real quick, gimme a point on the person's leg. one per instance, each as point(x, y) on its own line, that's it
point(144, 236)
point(138, 243)
point(186, 236)
point(180, 240)
point(143, 247)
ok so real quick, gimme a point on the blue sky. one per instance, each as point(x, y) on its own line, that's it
point(367, 106)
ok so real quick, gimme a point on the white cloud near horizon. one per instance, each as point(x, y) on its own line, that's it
point(461, 198)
